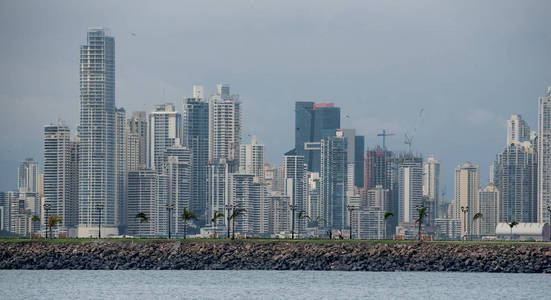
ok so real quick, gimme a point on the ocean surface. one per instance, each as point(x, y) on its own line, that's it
point(66, 284)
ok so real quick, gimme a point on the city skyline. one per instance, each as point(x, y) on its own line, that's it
point(486, 90)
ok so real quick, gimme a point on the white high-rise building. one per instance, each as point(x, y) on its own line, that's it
point(251, 159)
point(165, 126)
point(431, 185)
point(250, 194)
point(147, 194)
point(410, 187)
point(544, 156)
point(517, 130)
point(350, 136)
point(198, 92)
point(224, 125)
point(489, 207)
point(178, 170)
point(28, 176)
point(295, 186)
point(515, 176)
point(224, 142)
point(333, 181)
point(467, 187)
point(97, 135)
point(58, 192)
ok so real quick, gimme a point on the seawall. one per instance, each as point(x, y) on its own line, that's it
point(279, 255)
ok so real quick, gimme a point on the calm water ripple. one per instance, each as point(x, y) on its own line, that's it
point(69, 284)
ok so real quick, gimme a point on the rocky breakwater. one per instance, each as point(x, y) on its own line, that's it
point(255, 255)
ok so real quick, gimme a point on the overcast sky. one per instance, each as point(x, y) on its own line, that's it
point(468, 65)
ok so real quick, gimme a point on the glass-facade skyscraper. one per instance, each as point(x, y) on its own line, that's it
point(314, 122)
point(195, 136)
point(97, 135)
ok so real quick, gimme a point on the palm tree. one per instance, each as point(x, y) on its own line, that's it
point(35, 219)
point(511, 225)
point(187, 215)
point(236, 213)
point(216, 216)
point(387, 215)
point(143, 218)
point(317, 221)
point(53, 220)
point(422, 214)
point(301, 215)
point(476, 216)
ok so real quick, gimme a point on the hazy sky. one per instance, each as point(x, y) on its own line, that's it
point(467, 64)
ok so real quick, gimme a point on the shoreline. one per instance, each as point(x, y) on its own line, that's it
point(319, 255)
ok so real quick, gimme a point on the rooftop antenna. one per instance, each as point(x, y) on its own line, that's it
point(384, 135)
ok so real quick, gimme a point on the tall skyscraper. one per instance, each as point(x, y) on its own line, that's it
point(544, 156)
point(251, 159)
point(224, 126)
point(136, 149)
point(147, 194)
point(28, 176)
point(409, 189)
point(313, 122)
point(295, 185)
point(165, 125)
point(279, 214)
point(179, 169)
point(517, 130)
point(58, 175)
point(333, 181)
point(97, 135)
point(516, 179)
point(489, 207)
point(378, 168)
point(350, 137)
point(431, 186)
point(195, 136)
point(467, 187)
point(121, 171)
point(249, 193)
point(224, 143)
point(359, 145)
point(219, 189)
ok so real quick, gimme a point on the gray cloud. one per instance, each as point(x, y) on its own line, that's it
point(468, 64)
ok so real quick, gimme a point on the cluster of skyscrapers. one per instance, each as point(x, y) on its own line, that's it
point(119, 169)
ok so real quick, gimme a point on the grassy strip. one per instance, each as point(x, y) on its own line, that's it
point(208, 240)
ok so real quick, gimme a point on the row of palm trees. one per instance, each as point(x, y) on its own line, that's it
point(53, 220)
point(188, 215)
point(236, 212)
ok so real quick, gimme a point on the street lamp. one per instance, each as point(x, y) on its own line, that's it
point(350, 208)
point(228, 216)
point(99, 207)
point(293, 208)
point(549, 210)
point(47, 207)
point(465, 210)
point(169, 207)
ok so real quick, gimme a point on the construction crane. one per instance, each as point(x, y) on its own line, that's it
point(384, 134)
point(409, 137)
point(408, 141)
